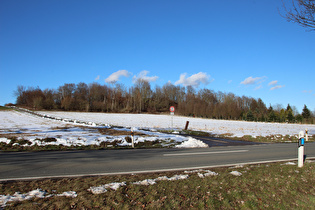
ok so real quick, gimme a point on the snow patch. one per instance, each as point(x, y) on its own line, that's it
point(208, 173)
point(114, 186)
point(192, 143)
point(236, 173)
point(145, 182)
point(38, 193)
point(178, 177)
point(103, 188)
point(163, 178)
point(289, 163)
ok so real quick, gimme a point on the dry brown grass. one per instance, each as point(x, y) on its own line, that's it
point(266, 186)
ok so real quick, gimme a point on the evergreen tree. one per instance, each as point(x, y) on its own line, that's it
point(250, 116)
point(306, 112)
point(289, 114)
point(299, 118)
point(271, 114)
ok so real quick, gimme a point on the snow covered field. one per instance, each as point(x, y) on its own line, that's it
point(35, 129)
point(77, 128)
point(236, 128)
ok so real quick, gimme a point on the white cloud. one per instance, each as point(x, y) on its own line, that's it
point(277, 87)
point(273, 83)
point(258, 87)
point(143, 75)
point(194, 80)
point(114, 77)
point(97, 78)
point(252, 81)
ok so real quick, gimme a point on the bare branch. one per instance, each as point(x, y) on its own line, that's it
point(301, 12)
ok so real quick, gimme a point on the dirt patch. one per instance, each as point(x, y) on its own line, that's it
point(16, 135)
point(114, 132)
point(64, 128)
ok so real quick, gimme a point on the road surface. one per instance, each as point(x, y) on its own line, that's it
point(215, 142)
point(33, 165)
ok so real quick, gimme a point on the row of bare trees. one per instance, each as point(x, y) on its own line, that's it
point(142, 98)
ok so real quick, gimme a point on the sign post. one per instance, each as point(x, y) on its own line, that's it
point(132, 138)
point(301, 149)
point(172, 110)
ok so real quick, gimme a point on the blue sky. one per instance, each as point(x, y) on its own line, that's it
point(244, 47)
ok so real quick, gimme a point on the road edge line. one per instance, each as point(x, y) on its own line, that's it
point(149, 171)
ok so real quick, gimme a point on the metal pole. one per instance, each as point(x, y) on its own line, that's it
point(186, 126)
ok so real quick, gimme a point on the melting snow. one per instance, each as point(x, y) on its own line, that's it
point(146, 182)
point(289, 163)
point(162, 178)
point(208, 173)
point(103, 188)
point(38, 193)
point(236, 173)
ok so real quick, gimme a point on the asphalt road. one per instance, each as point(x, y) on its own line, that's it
point(215, 142)
point(33, 165)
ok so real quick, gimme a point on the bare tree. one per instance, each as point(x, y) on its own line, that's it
point(81, 96)
point(143, 93)
point(20, 95)
point(49, 101)
point(66, 94)
point(301, 12)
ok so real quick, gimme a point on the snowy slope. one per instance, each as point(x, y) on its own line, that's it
point(33, 128)
point(236, 128)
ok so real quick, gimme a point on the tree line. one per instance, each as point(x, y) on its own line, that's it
point(141, 98)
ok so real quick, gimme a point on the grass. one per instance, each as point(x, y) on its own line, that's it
point(103, 145)
point(268, 139)
point(4, 108)
point(196, 133)
point(272, 186)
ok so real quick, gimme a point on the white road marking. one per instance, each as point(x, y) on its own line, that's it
point(203, 153)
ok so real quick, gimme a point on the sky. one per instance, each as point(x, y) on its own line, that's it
point(244, 47)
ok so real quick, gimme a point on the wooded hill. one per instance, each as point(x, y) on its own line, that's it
point(141, 98)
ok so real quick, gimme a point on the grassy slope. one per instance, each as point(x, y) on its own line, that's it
point(3, 108)
point(261, 186)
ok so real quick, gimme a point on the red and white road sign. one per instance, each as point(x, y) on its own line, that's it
point(172, 109)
